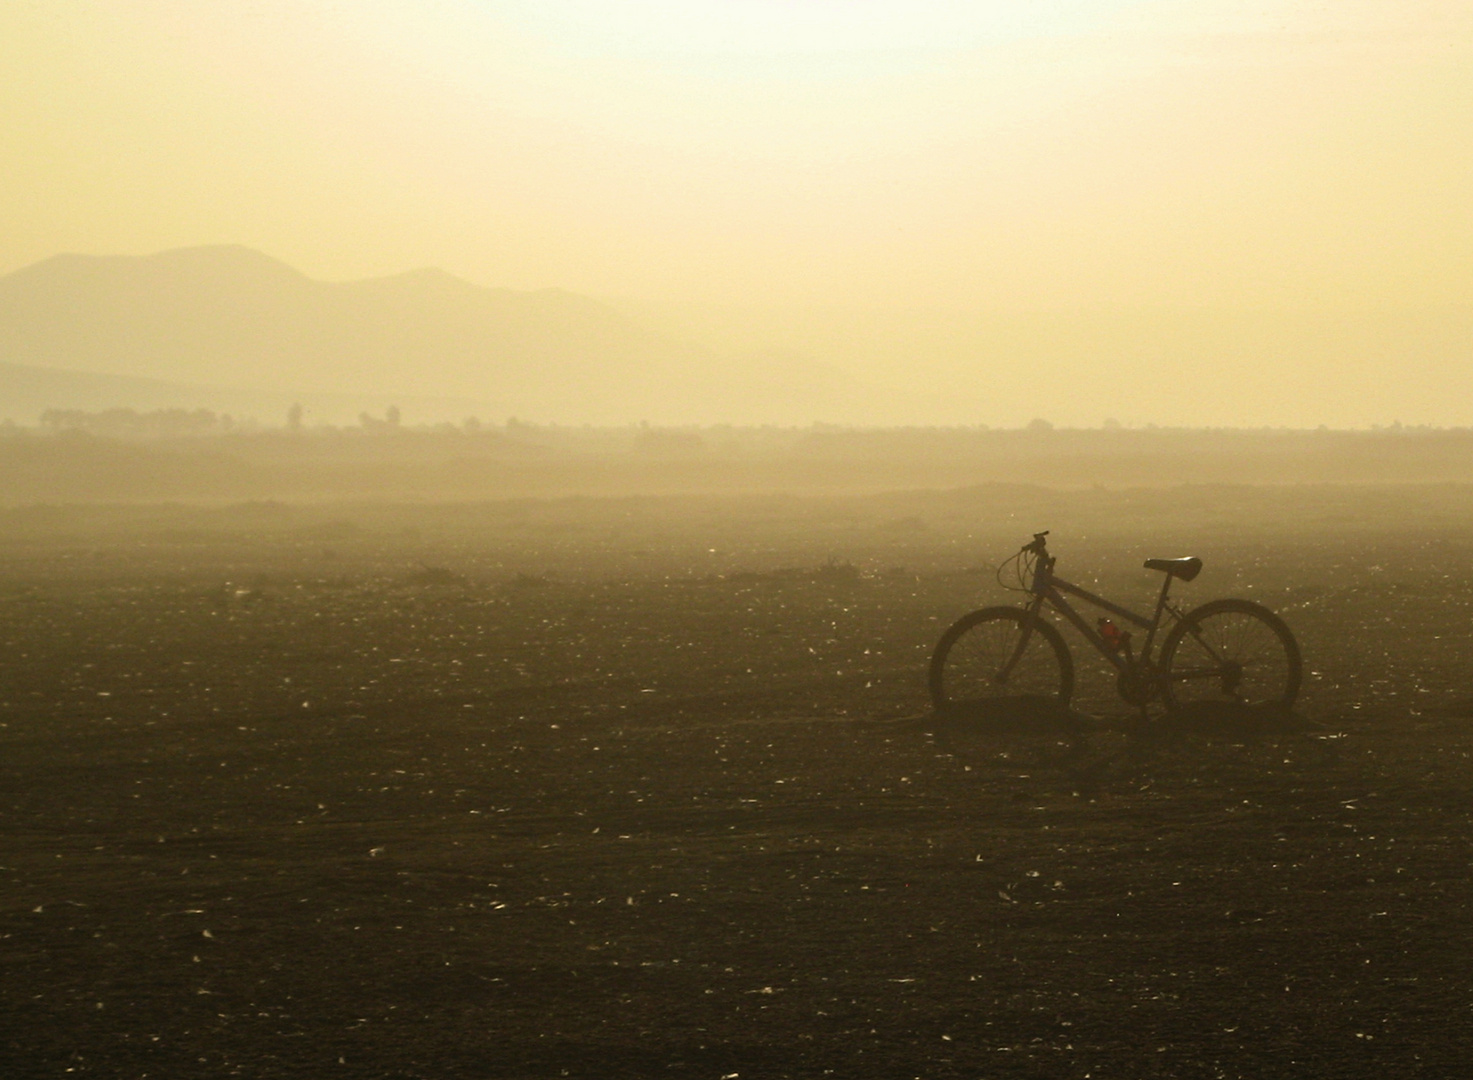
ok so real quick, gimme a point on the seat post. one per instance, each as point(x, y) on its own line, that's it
point(1156, 620)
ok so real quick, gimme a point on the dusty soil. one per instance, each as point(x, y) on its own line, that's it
point(375, 795)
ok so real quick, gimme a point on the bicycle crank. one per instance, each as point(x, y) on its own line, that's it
point(1138, 685)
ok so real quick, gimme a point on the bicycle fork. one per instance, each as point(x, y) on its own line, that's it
point(1006, 671)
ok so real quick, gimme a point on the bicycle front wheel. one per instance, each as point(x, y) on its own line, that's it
point(999, 653)
point(1001, 680)
point(1231, 652)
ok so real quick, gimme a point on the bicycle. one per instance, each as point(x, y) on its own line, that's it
point(1008, 676)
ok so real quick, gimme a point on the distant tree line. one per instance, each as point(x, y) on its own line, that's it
point(159, 423)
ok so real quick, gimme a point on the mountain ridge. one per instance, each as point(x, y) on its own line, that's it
point(229, 316)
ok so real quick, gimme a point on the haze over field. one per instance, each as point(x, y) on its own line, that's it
point(504, 506)
point(1192, 213)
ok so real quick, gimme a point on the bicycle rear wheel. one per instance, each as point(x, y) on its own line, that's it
point(1232, 654)
point(1000, 682)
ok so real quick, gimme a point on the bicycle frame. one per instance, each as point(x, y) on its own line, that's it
point(1240, 652)
point(1047, 588)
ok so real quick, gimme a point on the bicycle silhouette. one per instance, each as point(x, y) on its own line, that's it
point(1006, 674)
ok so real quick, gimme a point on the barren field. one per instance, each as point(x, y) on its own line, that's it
point(644, 788)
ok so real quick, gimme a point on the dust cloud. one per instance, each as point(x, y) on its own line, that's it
point(482, 486)
point(201, 456)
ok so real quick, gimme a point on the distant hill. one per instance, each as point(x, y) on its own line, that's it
point(207, 323)
point(26, 391)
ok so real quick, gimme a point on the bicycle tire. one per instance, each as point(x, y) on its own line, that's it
point(1237, 653)
point(983, 641)
point(1022, 722)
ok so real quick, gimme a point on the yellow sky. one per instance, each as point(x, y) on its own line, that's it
point(783, 154)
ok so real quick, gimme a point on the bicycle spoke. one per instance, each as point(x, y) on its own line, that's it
point(1000, 681)
point(1231, 652)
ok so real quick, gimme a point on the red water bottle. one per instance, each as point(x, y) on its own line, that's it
point(1112, 635)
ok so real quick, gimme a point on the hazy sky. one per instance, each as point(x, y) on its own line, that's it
point(987, 155)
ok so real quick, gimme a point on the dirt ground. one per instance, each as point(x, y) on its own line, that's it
point(643, 788)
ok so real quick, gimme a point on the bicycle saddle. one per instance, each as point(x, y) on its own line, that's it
point(1186, 569)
